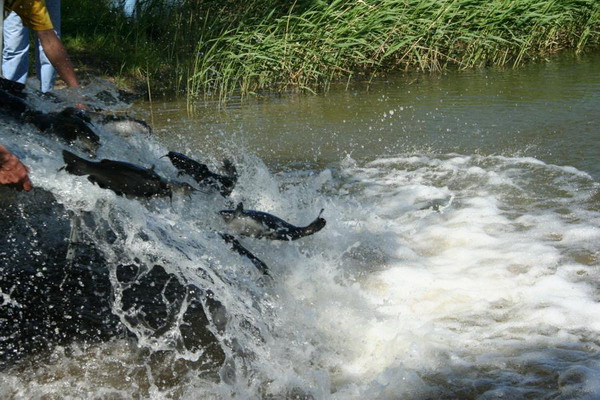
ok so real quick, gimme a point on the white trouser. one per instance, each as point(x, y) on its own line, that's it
point(15, 55)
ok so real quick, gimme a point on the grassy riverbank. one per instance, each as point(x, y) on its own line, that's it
point(220, 47)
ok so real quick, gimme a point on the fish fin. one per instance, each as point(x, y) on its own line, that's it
point(227, 237)
point(228, 167)
point(320, 213)
point(239, 209)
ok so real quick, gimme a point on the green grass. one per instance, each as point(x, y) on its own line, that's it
point(225, 47)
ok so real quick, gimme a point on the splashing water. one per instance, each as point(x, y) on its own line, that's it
point(438, 275)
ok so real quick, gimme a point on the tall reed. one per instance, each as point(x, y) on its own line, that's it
point(224, 47)
point(344, 39)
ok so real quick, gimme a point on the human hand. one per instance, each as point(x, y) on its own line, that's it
point(12, 171)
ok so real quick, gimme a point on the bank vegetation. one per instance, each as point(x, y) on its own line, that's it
point(210, 47)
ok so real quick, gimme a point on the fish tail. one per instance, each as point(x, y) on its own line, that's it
point(75, 164)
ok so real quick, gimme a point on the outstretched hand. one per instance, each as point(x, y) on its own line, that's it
point(12, 171)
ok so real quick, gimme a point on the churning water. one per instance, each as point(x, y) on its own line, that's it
point(460, 258)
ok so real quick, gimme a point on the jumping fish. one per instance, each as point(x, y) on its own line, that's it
point(201, 174)
point(261, 224)
point(70, 124)
point(121, 177)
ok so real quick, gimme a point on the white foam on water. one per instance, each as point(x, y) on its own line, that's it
point(474, 281)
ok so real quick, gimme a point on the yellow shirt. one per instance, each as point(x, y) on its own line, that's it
point(33, 13)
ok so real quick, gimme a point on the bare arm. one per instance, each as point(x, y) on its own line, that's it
point(56, 53)
point(12, 171)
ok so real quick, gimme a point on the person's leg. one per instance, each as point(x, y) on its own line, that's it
point(45, 71)
point(15, 56)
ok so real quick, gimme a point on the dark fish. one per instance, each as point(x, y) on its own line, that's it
point(70, 124)
point(201, 174)
point(261, 224)
point(121, 177)
point(13, 105)
point(241, 250)
point(14, 88)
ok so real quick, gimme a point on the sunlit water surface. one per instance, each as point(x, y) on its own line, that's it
point(460, 258)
